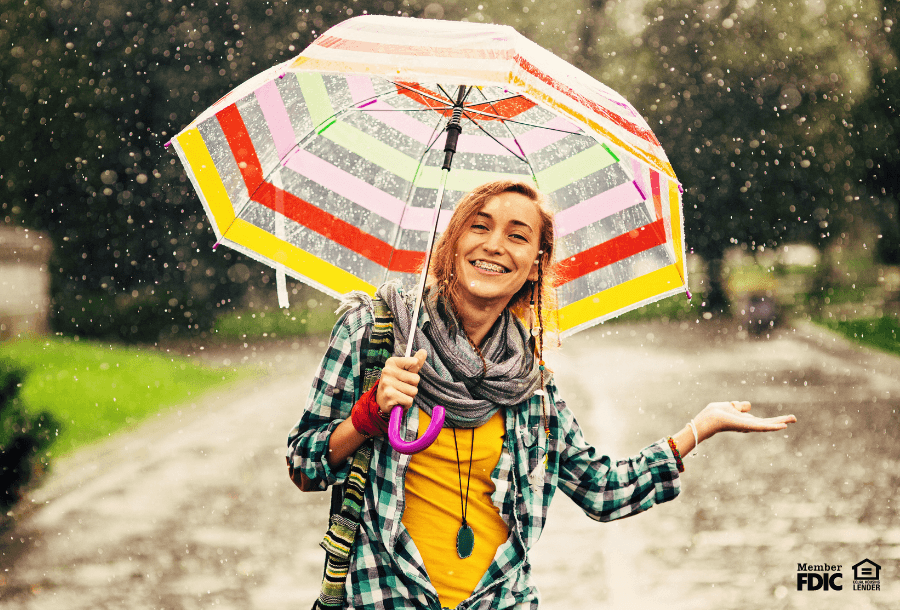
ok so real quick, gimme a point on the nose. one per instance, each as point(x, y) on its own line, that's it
point(494, 241)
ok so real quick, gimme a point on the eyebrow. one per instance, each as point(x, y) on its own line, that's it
point(513, 221)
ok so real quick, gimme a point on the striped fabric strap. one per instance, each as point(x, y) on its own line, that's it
point(381, 344)
point(338, 541)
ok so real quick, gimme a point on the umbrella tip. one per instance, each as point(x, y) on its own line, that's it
point(282, 75)
point(688, 293)
point(215, 245)
point(167, 144)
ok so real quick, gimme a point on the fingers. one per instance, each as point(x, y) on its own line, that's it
point(399, 393)
point(734, 416)
point(419, 356)
point(741, 405)
point(399, 381)
point(749, 423)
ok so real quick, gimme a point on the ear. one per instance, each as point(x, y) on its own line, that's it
point(534, 274)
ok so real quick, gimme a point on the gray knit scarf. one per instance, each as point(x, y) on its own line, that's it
point(453, 375)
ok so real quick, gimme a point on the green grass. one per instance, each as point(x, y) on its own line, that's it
point(97, 389)
point(882, 333)
point(672, 308)
point(277, 323)
point(838, 295)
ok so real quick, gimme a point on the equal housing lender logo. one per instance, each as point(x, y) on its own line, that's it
point(865, 576)
point(829, 577)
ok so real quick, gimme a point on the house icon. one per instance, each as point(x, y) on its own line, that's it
point(866, 570)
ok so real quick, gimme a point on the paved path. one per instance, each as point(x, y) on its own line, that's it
point(195, 510)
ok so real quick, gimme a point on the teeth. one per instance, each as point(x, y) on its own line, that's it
point(489, 266)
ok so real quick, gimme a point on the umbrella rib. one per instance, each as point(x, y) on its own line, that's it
point(426, 95)
point(450, 97)
point(502, 118)
point(435, 135)
point(395, 109)
point(523, 158)
point(491, 136)
point(447, 95)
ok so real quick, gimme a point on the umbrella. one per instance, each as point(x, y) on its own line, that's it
point(333, 167)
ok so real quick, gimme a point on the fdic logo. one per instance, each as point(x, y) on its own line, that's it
point(816, 577)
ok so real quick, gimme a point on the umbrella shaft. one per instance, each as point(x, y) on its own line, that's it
point(424, 276)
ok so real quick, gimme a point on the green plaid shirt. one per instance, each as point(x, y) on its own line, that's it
point(387, 570)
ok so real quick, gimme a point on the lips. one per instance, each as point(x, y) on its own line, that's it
point(488, 266)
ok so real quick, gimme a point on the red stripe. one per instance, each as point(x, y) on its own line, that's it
point(612, 251)
point(241, 146)
point(644, 134)
point(657, 196)
point(301, 211)
point(507, 108)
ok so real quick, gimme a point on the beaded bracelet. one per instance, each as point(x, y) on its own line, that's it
point(678, 461)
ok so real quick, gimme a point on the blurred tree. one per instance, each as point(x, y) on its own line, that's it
point(92, 92)
point(876, 130)
point(748, 101)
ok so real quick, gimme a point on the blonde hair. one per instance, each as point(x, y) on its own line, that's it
point(442, 270)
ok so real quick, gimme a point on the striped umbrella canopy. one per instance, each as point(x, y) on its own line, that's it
point(327, 166)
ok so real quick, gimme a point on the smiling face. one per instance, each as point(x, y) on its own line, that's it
point(497, 252)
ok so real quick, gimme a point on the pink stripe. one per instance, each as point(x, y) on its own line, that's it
point(596, 208)
point(277, 118)
point(537, 139)
point(364, 194)
point(403, 123)
point(346, 185)
point(361, 88)
point(479, 143)
point(419, 219)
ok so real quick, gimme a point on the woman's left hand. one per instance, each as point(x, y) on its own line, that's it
point(734, 416)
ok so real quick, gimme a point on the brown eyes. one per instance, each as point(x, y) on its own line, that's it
point(518, 236)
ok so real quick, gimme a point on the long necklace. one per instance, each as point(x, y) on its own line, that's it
point(465, 537)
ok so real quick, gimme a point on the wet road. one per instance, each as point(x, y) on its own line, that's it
point(195, 510)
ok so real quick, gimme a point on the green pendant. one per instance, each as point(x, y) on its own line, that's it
point(465, 541)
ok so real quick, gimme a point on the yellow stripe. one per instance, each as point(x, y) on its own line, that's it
point(619, 297)
point(675, 213)
point(645, 156)
point(304, 263)
point(195, 151)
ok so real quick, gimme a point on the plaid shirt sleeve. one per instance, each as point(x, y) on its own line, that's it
point(334, 392)
point(608, 490)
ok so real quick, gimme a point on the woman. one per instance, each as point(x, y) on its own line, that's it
point(450, 527)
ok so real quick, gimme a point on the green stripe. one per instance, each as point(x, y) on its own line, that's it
point(389, 158)
point(463, 179)
point(316, 97)
point(574, 168)
point(372, 149)
point(611, 153)
point(321, 131)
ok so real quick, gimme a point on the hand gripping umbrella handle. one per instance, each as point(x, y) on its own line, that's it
point(437, 414)
point(410, 447)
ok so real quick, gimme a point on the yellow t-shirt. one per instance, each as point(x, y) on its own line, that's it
point(433, 513)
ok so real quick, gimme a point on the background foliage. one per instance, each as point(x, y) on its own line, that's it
point(779, 118)
point(24, 437)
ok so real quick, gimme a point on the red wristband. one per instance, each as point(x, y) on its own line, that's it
point(366, 414)
point(678, 463)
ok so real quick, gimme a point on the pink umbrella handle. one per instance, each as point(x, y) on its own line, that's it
point(410, 447)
